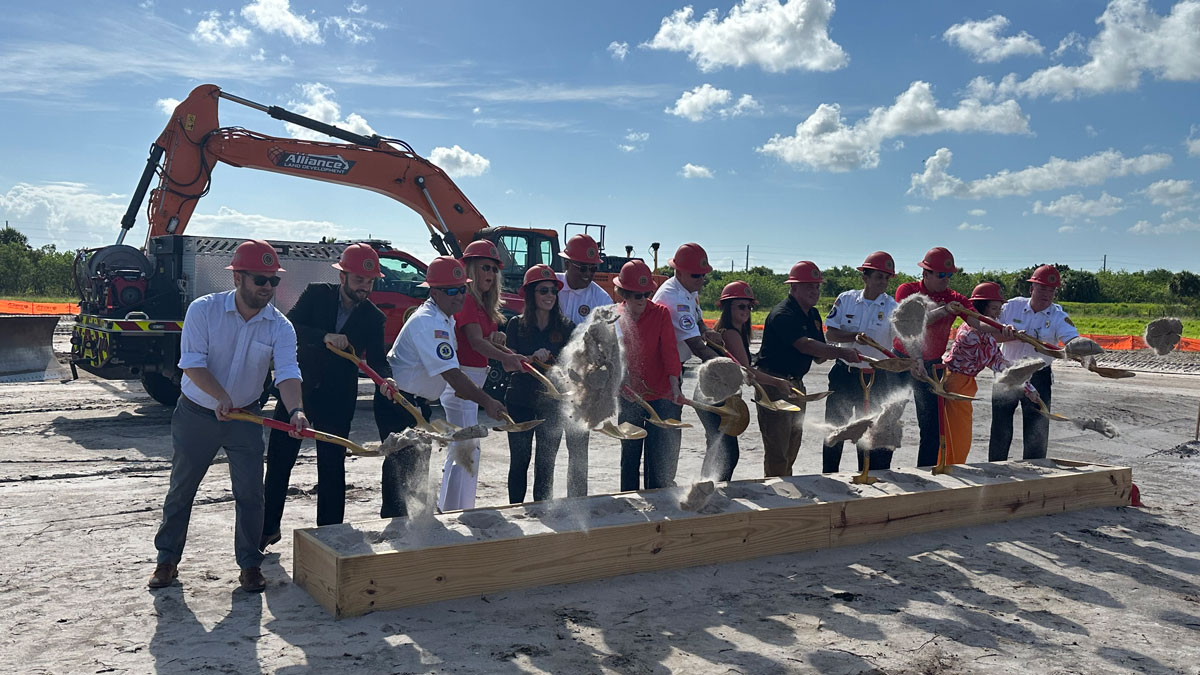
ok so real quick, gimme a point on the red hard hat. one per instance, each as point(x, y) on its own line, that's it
point(255, 255)
point(804, 272)
point(539, 273)
point(736, 290)
point(1046, 275)
point(938, 259)
point(692, 259)
point(879, 261)
point(359, 259)
point(482, 248)
point(583, 250)
point(635, 277)
point(988, 290)
point(445, 272)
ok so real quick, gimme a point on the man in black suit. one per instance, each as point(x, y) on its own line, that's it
point(339, 315)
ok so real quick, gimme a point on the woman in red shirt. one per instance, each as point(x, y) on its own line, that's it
point(653, 372)
point(475, 331)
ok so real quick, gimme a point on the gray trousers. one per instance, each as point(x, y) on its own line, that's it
point(196, 435)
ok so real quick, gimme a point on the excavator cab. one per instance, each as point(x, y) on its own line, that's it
point(523, 248)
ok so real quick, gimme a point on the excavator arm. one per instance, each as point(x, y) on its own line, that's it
point(193, 142)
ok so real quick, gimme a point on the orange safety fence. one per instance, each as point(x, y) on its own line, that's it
point(1116, 343)
point(26, 307)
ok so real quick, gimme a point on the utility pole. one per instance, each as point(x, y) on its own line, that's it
point(1104, 263)
point(731, 264)
point(747, 257)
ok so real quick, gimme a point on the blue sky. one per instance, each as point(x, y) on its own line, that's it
point(1013, 133)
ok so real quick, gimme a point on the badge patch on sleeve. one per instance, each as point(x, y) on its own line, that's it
point(584, 309)
point(444, 351)
point(686, 321)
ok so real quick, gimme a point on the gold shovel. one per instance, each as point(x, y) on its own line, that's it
point(1051, 415)
point(735, 415)
point(654, 418)
point(936, 386)
point(271, 423)
point(622, 432)
point(516, 427)
point(551, 390)
point(437, 427)
point(761, 398)
point(892, 364)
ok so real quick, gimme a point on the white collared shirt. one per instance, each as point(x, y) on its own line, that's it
point(686, 317)
point(577, 304)
point(237, 352)
point(855, 314)
point(425, 348)
point(1051, 325)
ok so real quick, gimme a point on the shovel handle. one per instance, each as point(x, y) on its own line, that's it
point(863, 338)
point(1045, 348)
point(640, 401)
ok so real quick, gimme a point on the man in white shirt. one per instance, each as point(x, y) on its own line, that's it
point(867, 311)
point(577, 298)
point(424, 360)
point(228, 344)
point(1039, 317)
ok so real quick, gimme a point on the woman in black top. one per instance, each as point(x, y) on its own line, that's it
point(539, 332)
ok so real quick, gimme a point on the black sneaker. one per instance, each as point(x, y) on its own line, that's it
point(267, 540)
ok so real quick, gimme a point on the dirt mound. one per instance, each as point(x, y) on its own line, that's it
point(1163, 334)
point(1186, 449)
point(594, 363)
point(720, 378)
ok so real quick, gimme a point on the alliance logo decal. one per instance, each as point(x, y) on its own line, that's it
point(335, 164)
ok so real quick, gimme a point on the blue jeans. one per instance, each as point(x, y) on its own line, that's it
point(197, 435)
point(661, 446)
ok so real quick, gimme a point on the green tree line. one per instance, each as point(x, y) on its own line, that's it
point(25, 270)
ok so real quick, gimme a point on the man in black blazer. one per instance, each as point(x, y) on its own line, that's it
point(340, 315)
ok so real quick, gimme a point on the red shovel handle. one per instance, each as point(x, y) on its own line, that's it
point(271, 423)
point(999, 326)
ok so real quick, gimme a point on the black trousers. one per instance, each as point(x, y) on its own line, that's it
point(547, 436)
point(844, 403)
point(927, 416)
point(1035, 427)
point(331, 412)
point(405, 471)
point(660, 446)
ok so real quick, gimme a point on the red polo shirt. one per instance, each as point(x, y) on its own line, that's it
point(472, 313)
point(650, 352)
point(937, 334)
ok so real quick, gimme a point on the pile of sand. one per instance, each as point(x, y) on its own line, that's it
point(1097, 424)
point(909, 318)
point(1082, 347)
point(886, 430)
point(697, 496)
point(719, 378)
point(1162, 335)
point(404, 440)
point(1016, 375)
point(594, 363)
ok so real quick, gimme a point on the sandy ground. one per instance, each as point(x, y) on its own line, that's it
point(85, 468)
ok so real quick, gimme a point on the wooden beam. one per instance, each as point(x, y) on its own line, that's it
point(352, 569)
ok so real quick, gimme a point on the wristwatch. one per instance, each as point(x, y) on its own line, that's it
point(293, 411)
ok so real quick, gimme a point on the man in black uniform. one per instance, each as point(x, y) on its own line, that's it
point(339, 315)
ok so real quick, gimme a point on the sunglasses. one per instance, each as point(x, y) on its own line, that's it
point(945, 275)
point(697, 276)
point(584, 268)
point(453, 291)
point(547, 290)
point(639, 296)
point(489, 268)
point(261, 280)
point(742, 307)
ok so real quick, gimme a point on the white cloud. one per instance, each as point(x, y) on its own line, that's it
point(1170, 192)
point(1073, 40)
point(626, 148)
point(354, 29)
point(558, 93)
point(825, 142)
point(1170, 227)
point(167, 105)
point(318, 104)
point(476, 110)
point(981, 39)
point(1192, 143)
point(276, 16)
point(73, 214)
point(935, 182)
point(776, 37)
point(915, 208)
point(355, 8)
point(1132, 41)
point(696, 104)
point(637, 136)
point(459, 163)
point(212, 29)
point(1090, 131)
point(977, 212)
point(619, 50)
point(977, 227)
point(260, 56)
point(690, 170)
point(1064, 229)
point(746, 105)
point(1075, 207)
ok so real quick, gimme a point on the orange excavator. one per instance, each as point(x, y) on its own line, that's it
point(133, 301)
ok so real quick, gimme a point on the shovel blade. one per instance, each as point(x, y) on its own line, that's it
point(518, 427)
point(622, 432)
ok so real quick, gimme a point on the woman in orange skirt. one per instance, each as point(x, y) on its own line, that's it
point(971, 352)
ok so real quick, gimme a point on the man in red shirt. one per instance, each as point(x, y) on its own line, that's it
point(937, 270)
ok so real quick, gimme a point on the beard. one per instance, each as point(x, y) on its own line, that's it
point(251, 298)
point(357, 297)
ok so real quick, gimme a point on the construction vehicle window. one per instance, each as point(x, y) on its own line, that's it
point(547, 253)
point(518, 248)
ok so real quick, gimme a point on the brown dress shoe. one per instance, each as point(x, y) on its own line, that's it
point(252, 580)
point(164, 575)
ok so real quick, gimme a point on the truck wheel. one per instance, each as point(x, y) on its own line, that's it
point(161, 388)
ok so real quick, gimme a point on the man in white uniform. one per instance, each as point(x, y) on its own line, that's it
point(578, 297)
point(424, 361)
point(1041, 318)
point(868, 312)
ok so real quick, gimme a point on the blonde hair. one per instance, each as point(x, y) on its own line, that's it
point(489, 302)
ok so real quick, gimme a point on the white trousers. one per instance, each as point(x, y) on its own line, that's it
point(458, 485)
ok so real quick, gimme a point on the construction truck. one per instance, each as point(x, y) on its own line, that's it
point(133, 300)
